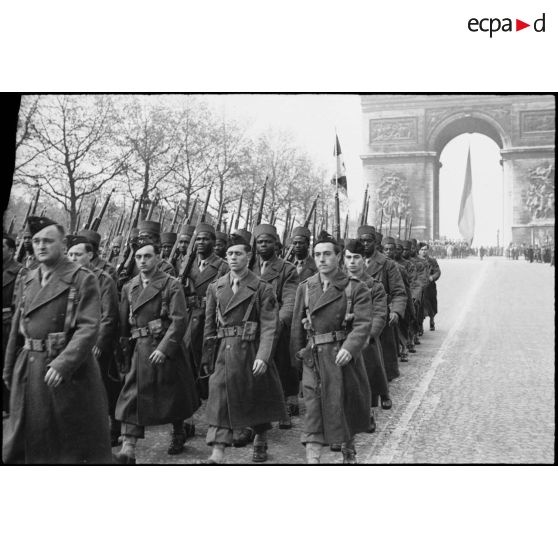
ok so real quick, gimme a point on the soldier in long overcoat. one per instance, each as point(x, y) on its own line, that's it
point(283, 278)
point(372, 352)
point(329, 334)
point(430, 292)
point(58, 406)
point(379, 267)
point(10, 270)
point(159, 387)
point(240, 329)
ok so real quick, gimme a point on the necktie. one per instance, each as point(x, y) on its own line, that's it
point(145, 282)
point(326, 285)
point(46, 277)
point(367, 261)
point(263, 266)
point(299, 265)
point(234, 286)
point(202, 265)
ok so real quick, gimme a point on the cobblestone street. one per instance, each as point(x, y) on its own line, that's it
point(480, 389)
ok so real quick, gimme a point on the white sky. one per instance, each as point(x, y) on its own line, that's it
point(312, 120)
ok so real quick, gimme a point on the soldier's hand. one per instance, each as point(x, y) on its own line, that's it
point(343, 357)
point(96, 352)
point(157, 357)
point(393, 318)
point(53, 378)
point(259, 367)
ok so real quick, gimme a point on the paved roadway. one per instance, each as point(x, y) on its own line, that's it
point(480, 389)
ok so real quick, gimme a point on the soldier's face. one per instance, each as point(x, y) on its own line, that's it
point(220, 247)
point(7, 252)
point(116, 249)
point(266, 245)
point(406, 253)
point(354, 263)
point(166, 250)
point(423, 252)
point(78, 254)
point(146, 259)
point(27, 243)
point(300, 246)
point(389, 250)
point(369, 244)
point(48, 245)
point(204, 243)
point(183, 242)
point(326, 258)
point(237, 257)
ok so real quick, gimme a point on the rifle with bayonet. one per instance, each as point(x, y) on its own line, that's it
point(91, 213)
point(20, 253)
point(97, 221)
point(187, 220)
point(126, 268)
point(363, 212)
point(236, 223)
point(257, 221)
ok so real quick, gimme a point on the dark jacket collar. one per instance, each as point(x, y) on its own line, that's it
point(140, 295)
point(228, 300)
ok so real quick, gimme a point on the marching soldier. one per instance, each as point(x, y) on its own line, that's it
point(183, 242)
point(94, 239)
point(372, 352)
point(80, 252)
point(207, 268)
point(330, 328)
point(221, 243)
point(402, 247)
point(159, 386)
point(404, 324)
point(10, 270)
point(379, 267)
point(241, 325)
point(430, 292)
point(168, 240)
point(29, 261)
point(114, 256)
point(58, 407)
point(422, 275)
point(283, 278)
point(304, 262)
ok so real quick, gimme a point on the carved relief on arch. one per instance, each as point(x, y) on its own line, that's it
point(393, 130)
point(537, 122)
point(539, 198)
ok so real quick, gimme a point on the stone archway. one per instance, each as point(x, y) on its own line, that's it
point(404, 136)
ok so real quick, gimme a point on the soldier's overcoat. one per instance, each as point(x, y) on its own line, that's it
point(337, 399)
point(9, 275)
point(283, 278)
point(236, 397)
point(198, 282)
point(430, 292)
point(156, 393)
point(307, 269)
point(68, 423)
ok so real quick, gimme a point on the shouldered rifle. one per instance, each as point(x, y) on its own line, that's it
point(20, 253)
point(11, 227)
point(126, 267)
point(97, 221)
point(257, 222)
point(91, 213)
point(236, 224)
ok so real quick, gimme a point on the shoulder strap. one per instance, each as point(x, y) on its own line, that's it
point(255, 296)
point(71, 304)
point(349, 312)
point(165, 299)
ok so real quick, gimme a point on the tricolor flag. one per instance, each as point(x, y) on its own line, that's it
point(339, 176)
point(466, 210)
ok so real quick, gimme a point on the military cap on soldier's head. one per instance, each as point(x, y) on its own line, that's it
point(302, 231)
point(36, 223)
point(241, 236)
point(379, 236)
point(324, 236)
point(74, 240)
point(399, 242)
point(414, 241)
point(150, 227)
point(219, 235)
point(205, 227)
point(366, 229)
point(187, 230)
point(406, 244)
point(265, 228)
point(146, 241)
point(117, 240)
point(388, 240)
point(168, 238)
point(355, 246)
point(422, 244)
point(93, 238)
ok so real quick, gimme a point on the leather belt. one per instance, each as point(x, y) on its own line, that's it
point(140, 332)
point(230, 331)
point(37, 345)
point(330, 337)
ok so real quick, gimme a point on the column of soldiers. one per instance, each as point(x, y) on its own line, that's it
point(96, 350)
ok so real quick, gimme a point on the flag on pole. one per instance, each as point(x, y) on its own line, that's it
point(339, 176)
point(466, 210)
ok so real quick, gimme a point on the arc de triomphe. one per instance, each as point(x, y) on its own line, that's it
point(404, 135)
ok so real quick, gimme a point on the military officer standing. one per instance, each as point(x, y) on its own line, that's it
point(159, 387)
point(383, 269)
point(303, 261)
point(430, 292)
point(330, 328)
point(10, 270)
point(58, 407)
point(241, 324)
point(81, 253)
point(283, 278)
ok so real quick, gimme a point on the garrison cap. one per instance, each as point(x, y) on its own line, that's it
point(355, 246)
point(93, 238)
point(241, 236)
point(150, 227)
point(187, 230)
point(205, 227)
point(219, 235)
point(74, 240)
point(366, 229)
point(36, 223)
point(146, 241)
point(265, 228)
point(324, 236)
point(388, 240)
point(301, 231)
point(168, 237)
